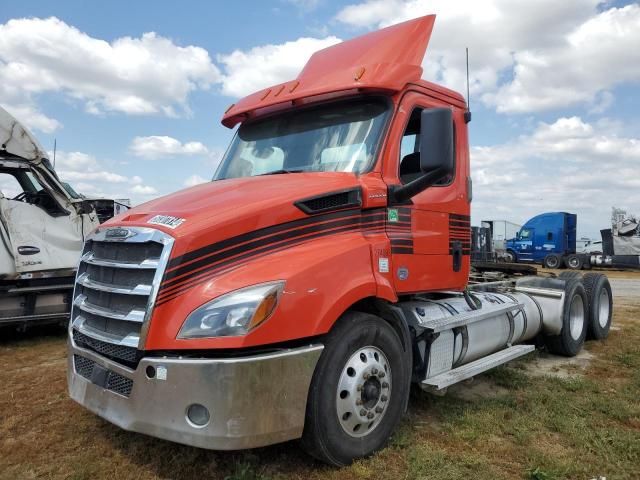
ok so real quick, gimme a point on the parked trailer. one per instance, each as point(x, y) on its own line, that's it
point(323, 271)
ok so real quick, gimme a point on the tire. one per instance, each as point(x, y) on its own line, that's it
point(510, 257)
point(600, 305)
point(574, 262)
point(574, 321)
point(330, 432)
point(552, 260)
point(570, 275)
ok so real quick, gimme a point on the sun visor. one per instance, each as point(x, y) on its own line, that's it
point(384, 60)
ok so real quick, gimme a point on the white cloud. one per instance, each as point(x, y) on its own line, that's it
point(89, 177)
point(29, 116)
point(566, 165)
point(157, 146)
point(248, 71)
point(145, 75)
point(524, 56)
point(143, 190)
point(194, 180)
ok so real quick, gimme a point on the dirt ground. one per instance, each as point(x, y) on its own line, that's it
point(541, 418)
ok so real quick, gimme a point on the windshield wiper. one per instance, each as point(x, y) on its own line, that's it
point(282, 170)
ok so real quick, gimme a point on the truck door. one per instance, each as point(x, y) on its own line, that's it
point(430, 234)
point(34, 239)
point(525, 244)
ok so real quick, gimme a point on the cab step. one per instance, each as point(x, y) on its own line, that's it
point(476, 367)
point(466, 318)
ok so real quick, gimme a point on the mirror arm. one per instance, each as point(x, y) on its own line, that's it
point(402, 193)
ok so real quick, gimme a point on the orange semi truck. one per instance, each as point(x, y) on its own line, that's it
point(321, 273)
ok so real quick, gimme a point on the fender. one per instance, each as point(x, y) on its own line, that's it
point(324, 277)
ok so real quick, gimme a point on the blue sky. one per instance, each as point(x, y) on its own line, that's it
point(554, 89)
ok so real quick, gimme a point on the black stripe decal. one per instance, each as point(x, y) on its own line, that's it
point(214, 257)
point(186, 281)
point(402, 243)
point(227, 242)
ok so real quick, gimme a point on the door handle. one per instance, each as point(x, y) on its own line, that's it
point(28, 250)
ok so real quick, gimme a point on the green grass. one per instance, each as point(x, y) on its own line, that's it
point(535, 428)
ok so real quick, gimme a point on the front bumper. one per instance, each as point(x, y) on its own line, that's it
point(252, 401)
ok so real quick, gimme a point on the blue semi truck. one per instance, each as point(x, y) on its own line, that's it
point(550, 239)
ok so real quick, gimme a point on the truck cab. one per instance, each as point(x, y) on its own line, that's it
point(543, 235)
point(321, 272)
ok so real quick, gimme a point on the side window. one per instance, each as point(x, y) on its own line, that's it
point(549, 236)
point(9, 186)
point(410, 152)
point(410, 149)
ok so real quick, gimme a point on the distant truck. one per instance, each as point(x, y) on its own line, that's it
point(546, 238)
point(550, 239)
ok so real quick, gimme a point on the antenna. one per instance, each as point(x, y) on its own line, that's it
point(467, 114)
point(54, 152)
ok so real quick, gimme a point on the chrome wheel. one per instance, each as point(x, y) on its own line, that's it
point(576, 317)
point(573, 262)
point(603, 313)
point(363, 391)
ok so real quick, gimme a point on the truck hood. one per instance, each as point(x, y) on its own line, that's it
point(224, 208)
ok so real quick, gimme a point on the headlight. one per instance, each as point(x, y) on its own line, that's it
point(233, 314)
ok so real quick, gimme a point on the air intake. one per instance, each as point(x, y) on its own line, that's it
point(330, 201)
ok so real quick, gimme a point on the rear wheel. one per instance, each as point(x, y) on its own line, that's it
point(552, 260)
point(600, 305)
point(574, 321)
point(358, 392)
point(574, 262)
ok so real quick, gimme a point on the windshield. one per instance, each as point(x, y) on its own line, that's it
point(340, 137)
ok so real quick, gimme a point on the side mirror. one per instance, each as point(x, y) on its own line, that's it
point(436, 142)
point(436, 153)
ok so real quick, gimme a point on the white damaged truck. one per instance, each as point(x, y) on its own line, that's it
point(43, 224)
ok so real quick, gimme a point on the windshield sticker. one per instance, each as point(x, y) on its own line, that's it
point(393, 215)
point(167, 221)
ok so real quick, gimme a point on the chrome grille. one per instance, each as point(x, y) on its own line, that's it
point(116, 352)
point(110, 380)
point(117, 281)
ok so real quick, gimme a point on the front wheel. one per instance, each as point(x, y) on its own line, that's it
point(358, 392)
point(510, 257)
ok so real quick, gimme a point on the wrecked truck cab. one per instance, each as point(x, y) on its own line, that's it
point(43, 227)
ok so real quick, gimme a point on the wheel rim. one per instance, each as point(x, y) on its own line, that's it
point(510, 257)
point(576, 317)
point(603, 311)
point(363, 392)
point(573, 262)
point(552, 262)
